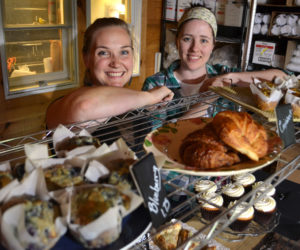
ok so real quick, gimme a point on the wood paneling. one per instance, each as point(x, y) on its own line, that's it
point(26, 115)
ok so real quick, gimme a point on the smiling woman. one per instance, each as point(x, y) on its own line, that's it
point(108, 57)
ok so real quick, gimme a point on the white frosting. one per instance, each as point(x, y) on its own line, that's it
point(233, 190)
point(263, 187)
point(265, 204)
point(238, 209)
point(244, 179)
point(212, 198)
point(205, 185)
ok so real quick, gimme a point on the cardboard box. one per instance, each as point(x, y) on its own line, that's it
point(263, 52)
point(170, 10)
point(182, 5)
point(233, 14)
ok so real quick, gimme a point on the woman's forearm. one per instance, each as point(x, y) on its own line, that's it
point(91, 103)
point(248, 76)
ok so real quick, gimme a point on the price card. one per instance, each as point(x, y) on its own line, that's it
point(147, 178)
point(263, 53)
point(285, 125)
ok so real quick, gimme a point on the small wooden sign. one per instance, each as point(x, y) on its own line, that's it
point(147, 178)
point(285, 125)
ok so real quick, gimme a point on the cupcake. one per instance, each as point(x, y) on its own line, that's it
point(208, 210)
point(263, 187)
point(265, 209)
point(245, 215)
point(205, 185)
point(246, 180)
point(232, 192)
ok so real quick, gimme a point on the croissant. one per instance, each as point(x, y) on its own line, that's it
point(202, 149)
point(242, 133)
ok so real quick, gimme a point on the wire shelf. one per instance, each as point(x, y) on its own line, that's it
point(134, 126)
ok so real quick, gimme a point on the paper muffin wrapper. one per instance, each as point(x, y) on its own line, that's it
point(15, 234)
point(62, 133)
point(106, 228)
point(13, 229)
point(6, 189)
point(275, 95)
point(294, 101)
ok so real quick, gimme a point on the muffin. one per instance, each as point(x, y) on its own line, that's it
point(244, 218)
point(265, 209)
point(61, 176)
point(246, 180)
point(30, 223)
point(263, 187)
point(205, 185)
point(232, 192)
point(266, 94)
point(5, 178)
point(210, 211)
point(69, 144)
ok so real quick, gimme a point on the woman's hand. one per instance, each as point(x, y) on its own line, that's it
point(161, 94)
point(216, 82)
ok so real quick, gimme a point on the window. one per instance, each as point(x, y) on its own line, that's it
point(38, 46)
point(128, 10)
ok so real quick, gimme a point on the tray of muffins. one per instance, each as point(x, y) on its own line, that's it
point(263, 96)
point(82, 195)
point(251, 217)
point(230, 143)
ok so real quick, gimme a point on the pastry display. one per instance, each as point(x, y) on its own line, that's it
point(265, 209)
point(61, 176)
point(212, 209)
point(244, 218)
point(232, 192)
point(246, 180)
point(205, 185)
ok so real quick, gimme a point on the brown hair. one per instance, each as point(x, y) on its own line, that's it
point(99, 24)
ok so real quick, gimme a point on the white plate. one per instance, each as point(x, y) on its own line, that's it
point(165, 142)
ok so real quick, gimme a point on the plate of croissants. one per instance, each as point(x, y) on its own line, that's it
point(230, 143)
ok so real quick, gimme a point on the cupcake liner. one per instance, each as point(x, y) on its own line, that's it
point(107, 227)
point(5, 167)
point(15, 235)
point(62, 133)
point(13, 230)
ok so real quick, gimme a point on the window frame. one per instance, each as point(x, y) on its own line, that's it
point(45, 82)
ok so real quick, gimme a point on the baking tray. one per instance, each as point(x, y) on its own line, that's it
point(245, 98)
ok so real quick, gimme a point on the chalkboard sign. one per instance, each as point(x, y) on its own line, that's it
point(285, 125)
point(147, 178)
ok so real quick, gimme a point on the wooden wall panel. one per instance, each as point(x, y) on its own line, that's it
point(26, 115)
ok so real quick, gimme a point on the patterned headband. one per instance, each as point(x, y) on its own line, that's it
point(201, 14)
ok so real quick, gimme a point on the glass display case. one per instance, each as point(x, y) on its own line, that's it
point(38, 46)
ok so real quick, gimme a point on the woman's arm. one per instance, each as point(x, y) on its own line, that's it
point(242, 79)
point(91, 103)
